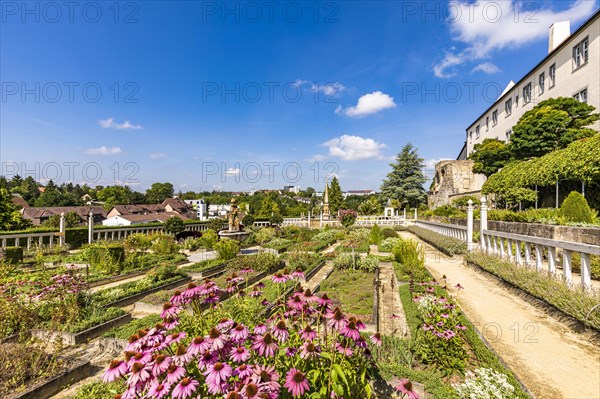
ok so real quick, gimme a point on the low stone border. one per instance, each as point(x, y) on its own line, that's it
point(318, 286)
point(314, 270)
point(134, 298)
point(575, 325)
point(114, 279)
point(84, 336)
point(54, 385)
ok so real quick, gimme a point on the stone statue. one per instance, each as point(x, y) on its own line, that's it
point(234, 216)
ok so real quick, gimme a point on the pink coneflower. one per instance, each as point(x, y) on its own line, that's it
point(141, 357)
point(461, 327)
point(448, 334)
point(308, 334)
point(208, 358)
point(158, 390)
point(218, 373)
point(239, 332)
point(296, 302)
point(233, 395)
point(350, 331)
point(265, 345)
point(360, 325)
point(296, 382)
point(216, 339)
point(335, 319)
point(211, 299)
point(182, 356)
point(427, 327)
point(445, 315)
point(430, 290)
point(376, 339)
point(266, 376)
point(459, 287)
point(279, 278)
point(439, 323)
point(192, 291)
point(178, 298)
point(185, 388)
point(243, 371)
point(139, 373)
point(256, 292)
point(170, 322)
point(280, 331)
point(198, 345)
point(161, 364)
point(169, 310)
point(174, 373)
point(247, 271)
point(115, 370)
point(324, 301)
point(298, 274)
point(252, 391)
point(343, 349)
point(442, 299)
point(309, 351)
point(239, 354)
point(260, 329)
point(175, 338)
point(406, 388)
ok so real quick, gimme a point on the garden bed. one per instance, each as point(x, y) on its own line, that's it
point(352, 290)
point(130, 299)
point(447, 245)
point(69, 338)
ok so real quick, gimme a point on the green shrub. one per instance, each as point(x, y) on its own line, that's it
point(138, 242)
point(12, 255)
point(264, 235)
point(302, 259)
point(76, 237)
point(388, 244)
point(576, 209)
point(278, 244)
point(448, 245)
point(173, 225)
point(409, 252)
point(353, 261)
point(192, 244)
point(248, 220)
point(369, 263)
point(209, 238)
point(216, 224)
point(376, 235)
point(388, 232)
point(163, 272)
point(260, 262)
point(203, 265)
point(163, 244)
point(227, 249)
point(106, 257)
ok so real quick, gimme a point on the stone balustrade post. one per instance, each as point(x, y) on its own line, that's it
point(483, 222)
point(470, 226)
point(62, 230)
point(91, 227)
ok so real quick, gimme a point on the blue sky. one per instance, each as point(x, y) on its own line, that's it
point(243, 95)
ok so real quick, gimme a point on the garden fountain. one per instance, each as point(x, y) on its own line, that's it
point(234, 231)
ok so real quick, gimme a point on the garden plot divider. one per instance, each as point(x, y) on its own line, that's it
point(211, 272)
point(86, 335)
point(314, 270)
point(523, 250)
point(136, 297)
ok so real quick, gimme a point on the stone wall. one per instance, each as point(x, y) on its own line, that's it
point(584, 235)
point(453, 179)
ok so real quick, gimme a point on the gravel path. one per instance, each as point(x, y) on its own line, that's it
point(549, 358)
point(319, 277)
point(392, 320)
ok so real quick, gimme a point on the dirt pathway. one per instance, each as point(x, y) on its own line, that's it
point(392, 320)
point(319, 277)
point(550, 359)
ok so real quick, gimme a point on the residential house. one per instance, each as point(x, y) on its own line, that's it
point(39, 215)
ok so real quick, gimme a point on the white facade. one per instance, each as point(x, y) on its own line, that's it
point(200, 207)
point(116, 221)
point(571, 69)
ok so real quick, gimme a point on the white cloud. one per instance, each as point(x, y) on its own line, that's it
point(111, 124)
point(353, 148)
point(232, 172)
point(486, 67)
point(159, 155)
point(329, 89)
point(104, 150)
point(486, 26)
point(430, 163)
point(368, 104)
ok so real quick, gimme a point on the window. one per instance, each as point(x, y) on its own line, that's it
point(541, 82)
point(471, 135)
point(495, 118)
point(581, 96)
point(580, 53)
point(517, 100)
point(508, 134)
point(527, 94)
point(487, 123)
point(477, 132)
point(508, 107)
point(552, 74)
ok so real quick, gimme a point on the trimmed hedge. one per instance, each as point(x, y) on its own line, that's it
point(448, 245)
point(11, 255)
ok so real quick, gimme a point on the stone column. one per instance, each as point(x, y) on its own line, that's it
point(470, 226)
point(62, 229)
point(91, 227)
point(483, 222)
point(415, 214)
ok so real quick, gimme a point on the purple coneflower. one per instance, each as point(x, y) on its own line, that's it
point(198, 344)
point(406, 388)
point(170, 323)
point(279, 278)
point(175, 338)
point(158, 390)
point(309, 351)
point(376, 339)
point(343, 349)
point(296, 302)
point(260, 329)
point(427, 327)
point(439, 323)
point(141, 357)
point(161, 364)
point(185, 388)
point(208, 358)
point(243, 371)
point(265, 345)
point(256, 292)
point(174, 373)
point(461, 327)
point(216, 339)
point(459, 287)
point(335, 319)
point(298, 273)
point(296, 382)
point(169, 310)
point(139, 373)
point(266, 376)
point(445, 315)
point(430, 290)
point(218, 372)
point(448, 334)
point(116, 369)
point(239, 354)
point(239, 332)
point(252, 391)
point(280, 331)
point(350, 331)
point(211, 299)
point(192, 291)
point(308, 334)
point(182, 356)
point(324, 300)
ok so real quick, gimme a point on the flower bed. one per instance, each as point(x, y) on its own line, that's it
point(352, 290)
point(544, 286)
point(448, 245)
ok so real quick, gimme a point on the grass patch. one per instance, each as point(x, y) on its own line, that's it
point(352, 290)
point(99, 390)
point(126, 331)
point(545, 286)
point(94, 318)
point(448, 245)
